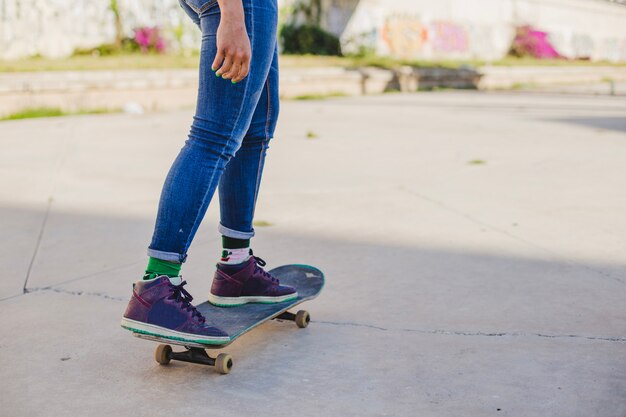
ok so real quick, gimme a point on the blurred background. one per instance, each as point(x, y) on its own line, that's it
point(330, 47)
point(479, 30)
point(456, 168)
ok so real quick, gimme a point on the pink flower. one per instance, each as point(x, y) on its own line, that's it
point(149, 39)
point(529, 41)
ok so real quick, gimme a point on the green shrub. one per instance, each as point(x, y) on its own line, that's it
point(128, 45)
point(308, 39)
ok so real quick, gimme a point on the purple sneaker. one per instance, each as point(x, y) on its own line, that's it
point(235, 285)
point(161, 307)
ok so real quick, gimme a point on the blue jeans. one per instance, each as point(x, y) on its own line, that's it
point(228, 139)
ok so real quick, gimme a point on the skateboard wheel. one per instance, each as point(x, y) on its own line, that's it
point(302, 318)
point(162, 354)
point(223, 363)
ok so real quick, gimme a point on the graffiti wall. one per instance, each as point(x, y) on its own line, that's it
point(404, 35)
point(412, 29)
point(484, 29)
point(55, 28)
point(408, 36)
point(449, 37)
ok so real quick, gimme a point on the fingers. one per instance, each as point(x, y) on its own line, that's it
point(219, 58)
point(235, 66)
point(243, 73)
point(226, 65)
point(232, 71)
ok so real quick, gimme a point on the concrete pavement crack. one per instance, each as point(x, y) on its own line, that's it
point(26, 290)
point(478, 333)
point(53, 184)
point(379, 328)
point(37, 245)
point(77, 293)
point(508, 234)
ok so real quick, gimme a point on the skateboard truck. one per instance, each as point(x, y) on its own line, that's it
point(223, 362)
point(302, 318)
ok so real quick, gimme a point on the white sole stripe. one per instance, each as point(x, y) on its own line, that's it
point(236, 301)
point(163, 332)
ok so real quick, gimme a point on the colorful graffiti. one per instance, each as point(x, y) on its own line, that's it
point(408, 36)
point(404, 35)
point(448, 37)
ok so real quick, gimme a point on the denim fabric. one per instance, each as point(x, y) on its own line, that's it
point(196, 7)
point(228, 139)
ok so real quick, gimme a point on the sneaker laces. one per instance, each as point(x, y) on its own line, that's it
point(258, 268)
point(179, 294)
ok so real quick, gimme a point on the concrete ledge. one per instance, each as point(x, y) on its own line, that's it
point(511, 77)
point(64, 81)
point(168, 89)
point(296, 82)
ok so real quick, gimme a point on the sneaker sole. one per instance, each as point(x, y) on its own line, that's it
point(163, 333)
point(238, 301)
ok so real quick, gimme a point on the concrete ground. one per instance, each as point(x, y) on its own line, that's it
point(474, 246)
point(604, 88)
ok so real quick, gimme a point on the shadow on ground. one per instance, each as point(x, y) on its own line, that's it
point(406, 328)
point(617, 124)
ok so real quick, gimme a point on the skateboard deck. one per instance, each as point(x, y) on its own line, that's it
point(238, 320)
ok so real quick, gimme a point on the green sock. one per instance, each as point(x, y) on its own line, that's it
point(232, 243)
point(158, 267)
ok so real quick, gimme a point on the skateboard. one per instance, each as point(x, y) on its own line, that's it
point(237, 321)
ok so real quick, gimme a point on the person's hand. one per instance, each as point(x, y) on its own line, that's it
point(232, 60)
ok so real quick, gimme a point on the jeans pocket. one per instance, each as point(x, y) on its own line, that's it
point(200, 6)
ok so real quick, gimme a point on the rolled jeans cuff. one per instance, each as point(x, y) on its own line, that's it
point(235, 234)
point(167, 256)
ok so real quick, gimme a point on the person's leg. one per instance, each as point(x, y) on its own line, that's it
point(160, 306)
point(157, 267)
point(239, 278)
point(239, 184)
point(223, 114)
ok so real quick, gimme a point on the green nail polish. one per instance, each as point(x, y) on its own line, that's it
point(234, 82)
point(217, 75)
point(212, 69)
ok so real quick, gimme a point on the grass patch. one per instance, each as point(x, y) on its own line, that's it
point(304, 61)
point(528, 61)
point(311, 134)
point(320, 96)
point(112, 62)
point(477, 162)
point(389, 62)
point(38, 112)
point(262, 223)
point(173, 61)
point(35, 113)
point(519, 86)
